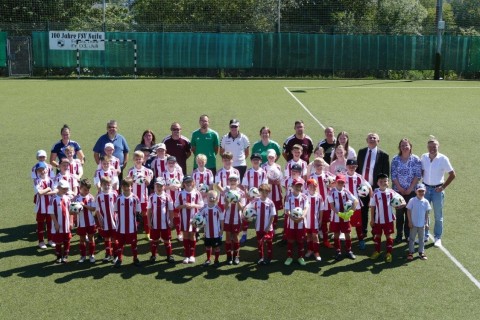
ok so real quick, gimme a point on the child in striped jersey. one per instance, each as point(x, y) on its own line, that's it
point(213, 228)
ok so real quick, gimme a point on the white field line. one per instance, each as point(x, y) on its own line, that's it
point(369, 87)
point(442, 248)
point(305, 108)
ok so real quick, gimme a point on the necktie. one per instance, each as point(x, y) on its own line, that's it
point(367, 165)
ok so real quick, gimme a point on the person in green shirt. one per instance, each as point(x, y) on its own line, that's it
point(205, 141)
point(262, 145)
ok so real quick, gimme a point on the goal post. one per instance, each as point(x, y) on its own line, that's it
point(106, 52)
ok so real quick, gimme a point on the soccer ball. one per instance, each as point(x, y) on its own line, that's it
point(329, 181)
point(347, 206)
point(173, 182)
point(296, 212)
point(253, 192)
point(202, 188)
point(233, 196)
point(250, 213)
point(76, 207)
point(198, 220)
point(139, 178)
point(363, 190)
point(274, 174)
point(397, 200)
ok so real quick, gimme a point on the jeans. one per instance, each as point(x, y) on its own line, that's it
point(436, 199)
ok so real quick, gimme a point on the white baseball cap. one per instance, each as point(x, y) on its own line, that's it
point(41, 153)
point(64, 184)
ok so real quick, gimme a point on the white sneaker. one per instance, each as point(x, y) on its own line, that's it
point(186, 260)
point(42, 245)
point(92, 259)
point(318, 258)
point(51, 244)
point(342, 236)
point(438, 243)
point(82, 259)
point(180, 237)
point(191, 260)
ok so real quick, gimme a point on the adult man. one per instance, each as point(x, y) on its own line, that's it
point(205, 141)
point(238, 144)
point(434, 167)
point(371, 162)
point(120, 143)
point(328, 144)
point(298, 138)
point(178, 146)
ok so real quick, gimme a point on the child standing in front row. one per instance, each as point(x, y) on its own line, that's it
point(213, 228)
point(61, 224)
point(295, 231)
point(86, 221)
point(43, 187)
point(107, 218)
point(313, 219)
point(417, 211)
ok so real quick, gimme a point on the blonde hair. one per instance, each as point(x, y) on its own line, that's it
point(138, 153)
point(201, 157)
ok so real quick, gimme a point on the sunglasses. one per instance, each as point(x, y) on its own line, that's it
point(233, 126)
point(176, 129)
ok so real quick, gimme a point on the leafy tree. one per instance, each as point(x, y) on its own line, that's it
point(467, 13)
point(401, 16)
point(429, 24)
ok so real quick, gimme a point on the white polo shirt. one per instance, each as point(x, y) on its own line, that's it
point(419, 209)
point(237, 147)
point(434, 171)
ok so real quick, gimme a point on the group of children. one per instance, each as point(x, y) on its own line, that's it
point(157, 194)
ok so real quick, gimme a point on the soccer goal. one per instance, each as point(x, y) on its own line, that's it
point(119, 59)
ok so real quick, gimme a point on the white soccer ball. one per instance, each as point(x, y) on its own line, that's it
point(363, 190)
point(232, 196)
point(274, 174)
point(173, 182)
point(296, 212)
point(250, 213)
point(329, 181)
point(76, 207)
point(348, 206)
point(198, 220)
point(397, 201)
point(253, 192)
point(139, 178)
point(202, 187)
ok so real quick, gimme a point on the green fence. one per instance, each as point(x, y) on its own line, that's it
point(3, 49)
point(285, 51)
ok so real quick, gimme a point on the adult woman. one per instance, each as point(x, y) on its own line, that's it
point(58, 150)
point(343, 140)
point(406, 172)
point(264, 144)
point(148, 140)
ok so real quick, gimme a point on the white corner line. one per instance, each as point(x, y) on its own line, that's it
point(304, 107)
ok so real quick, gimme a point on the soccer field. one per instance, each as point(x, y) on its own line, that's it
point(443, 287)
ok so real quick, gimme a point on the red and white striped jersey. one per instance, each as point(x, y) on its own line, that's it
point(322, 186)
point(141, 189)
point(105, 205)
point(75, 168)
point(300, 162)
point(159, 166)
point(42, 202)
point(276, 192)
point(212, 220)
point(108, 173)
point(232, 214)
point(316, 205)
point(205, 177)
point(381, 202)
point(59, 206)
point(265, 211)
point(114, 165)
point(186, 215)
point(254, 178)
point(167, 175)
point(221, 178)
point(50, 172)
point(85, 217)
point(292, 202)
point(70, 179)
point(161, 205)
point(337, 199)
point(352, 184)
point(126, 208)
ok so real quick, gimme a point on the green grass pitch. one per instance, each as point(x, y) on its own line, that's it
point(33, 111)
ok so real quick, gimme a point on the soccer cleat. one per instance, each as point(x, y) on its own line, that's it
point(65, 259)
point(107, 258)
point(229, 262)
point(180, 237)
point(118, 263)
point(42, 245)
point(136, 262)
point(216, 264)
point(52, 244)
point(361, 244)
point(375, 255)
point(410, 257)
point(58, 260)
point(152, 259)
point(288, 261)
point(308, 254)
point(388, 258)
point(82, 259)
point(147, 236)
point(92, 259)
point(236, 261)
point(267, 261)
point(114, 260)
point(437, 243)
point(301, 262)
point(206, 263)
point(327, 244)
point(338, 256)
point(261, 262)
point(318, 258)
point(243, 239)
point(170, 259)
point(350, 255)
point(185, 261)
point(422, 256)
point(191, 259)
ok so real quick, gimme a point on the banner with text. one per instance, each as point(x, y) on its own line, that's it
point(71, 40)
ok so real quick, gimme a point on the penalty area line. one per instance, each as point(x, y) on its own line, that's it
point(304, 107)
